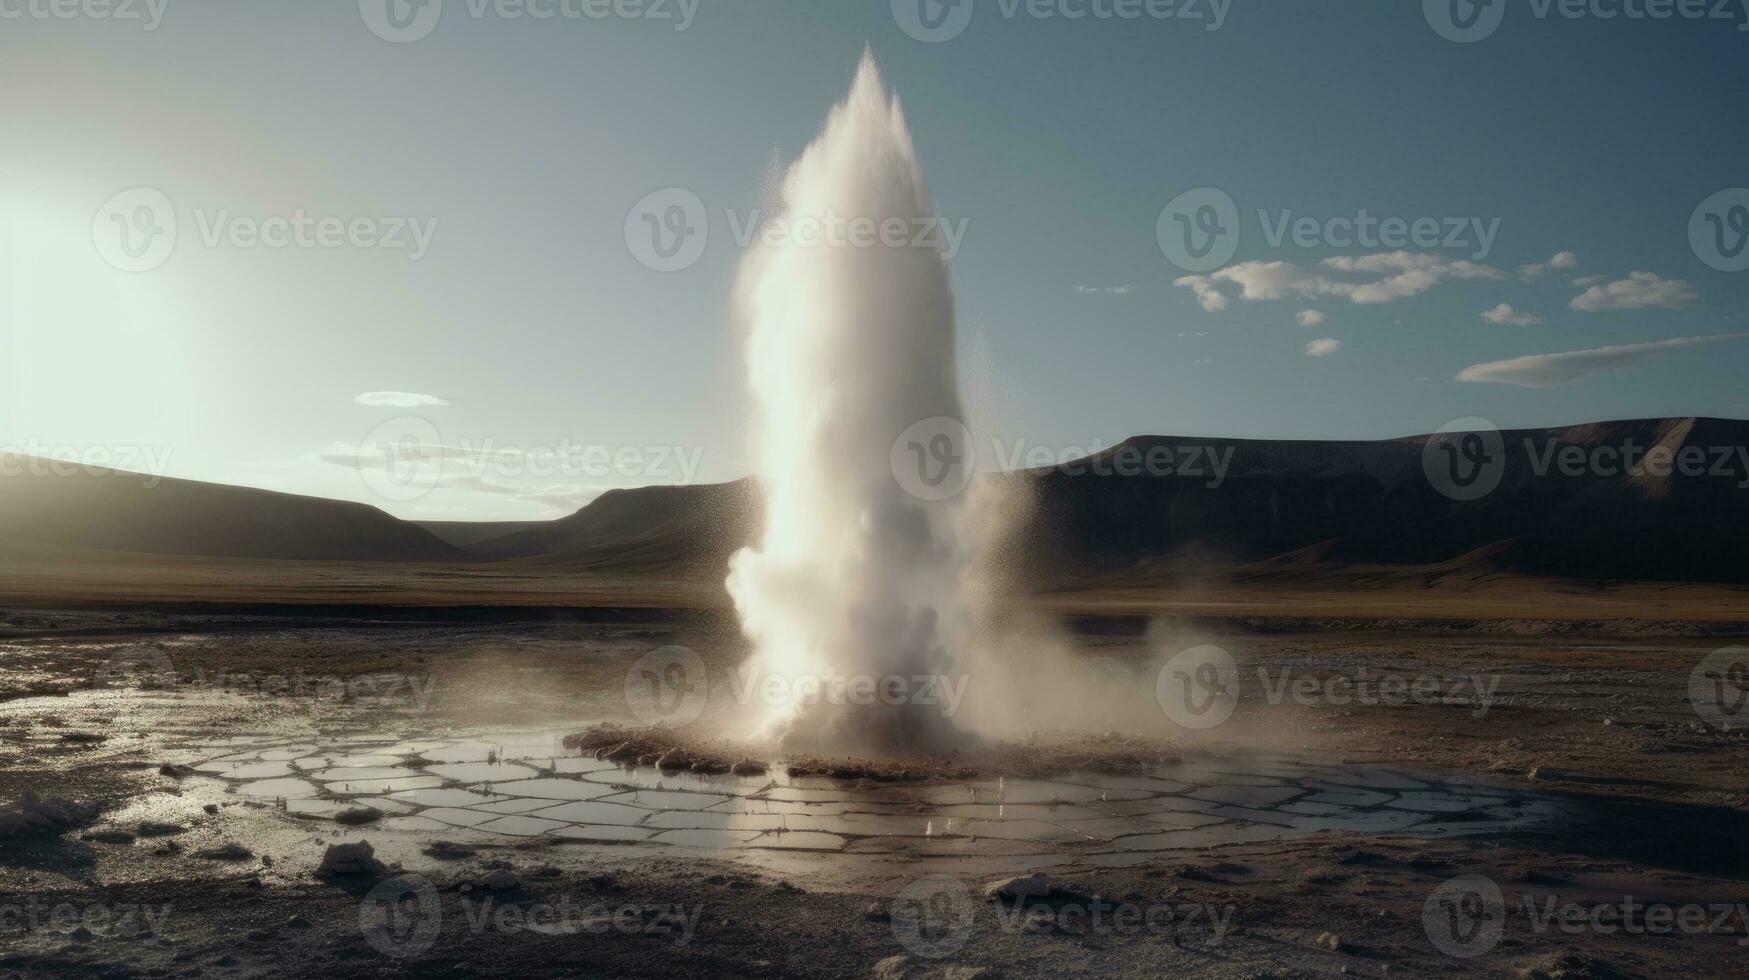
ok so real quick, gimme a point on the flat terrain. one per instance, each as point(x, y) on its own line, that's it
point(1587, 708)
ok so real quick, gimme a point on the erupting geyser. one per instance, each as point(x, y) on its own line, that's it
point(851, 342)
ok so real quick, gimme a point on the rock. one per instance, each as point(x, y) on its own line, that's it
point(448, 850)
point(81, 935)
point(501, 880)
point(175, 771)
point(84, 738)
point(36, 816)
point(1026, 886)
point(748, 767)
point(225, 852)
point(110, 837)
point(297, 922)
point(358, 815)
point(892, 968)
point(903, 968)
point(350, 859)
point(151, 828)
point(875, 912)
point(1331, 942)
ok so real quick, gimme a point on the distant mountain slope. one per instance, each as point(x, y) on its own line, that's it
point(681, 530)
point(1271, 510)
point(1276, 509)
point(1373, 503)
point(118, 511)
point(464, 534)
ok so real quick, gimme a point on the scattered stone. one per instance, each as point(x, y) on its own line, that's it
point(297, 922)
point(608, 884)
point(903, 968)
point(211, 808)
point(83, 738)
point(892, 968)
point(1537, 876)
point(1331, 942)
point(81, 935)
point(358, 815)
point(501, 880)
point(36, 816)
point(350, 859)
point(788, 889)
point(1038, 885)
point(175, 771)
point(876, 912)
point(448, 850)
point(1566, 966)
point(152, 828)
point(225, 852)
point(109, 837)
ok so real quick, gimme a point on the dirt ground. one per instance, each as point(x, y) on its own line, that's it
point(1599, 717)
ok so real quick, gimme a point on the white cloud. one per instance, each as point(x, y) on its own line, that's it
point(1506, 316)
point(1211, 298)
point(1367, 279)
point(1309, 318)
point(1559, 262)
point(399, 399)
point(1114, 290)
point(1638, 291)
point(1586, 281)
point(1549, 370)
point(1323, 347)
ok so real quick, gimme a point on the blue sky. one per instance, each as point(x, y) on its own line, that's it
point(521, 144)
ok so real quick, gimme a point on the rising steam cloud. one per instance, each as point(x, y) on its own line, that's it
point(848, 347)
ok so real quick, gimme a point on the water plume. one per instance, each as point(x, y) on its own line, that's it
point(855, 580)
